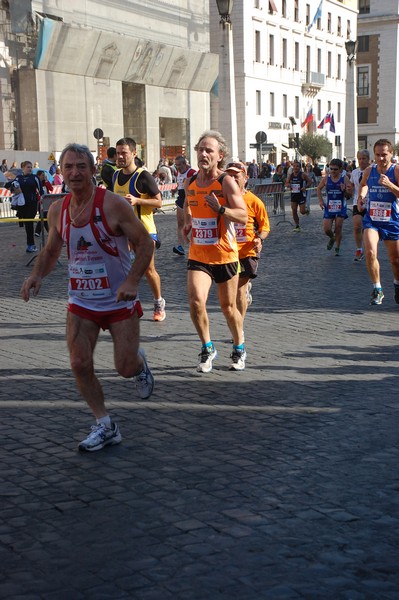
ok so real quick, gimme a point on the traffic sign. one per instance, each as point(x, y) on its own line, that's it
point(98, 134)
point(51, 157)
point(267, 148)
point(263, 148)
point(261, 137)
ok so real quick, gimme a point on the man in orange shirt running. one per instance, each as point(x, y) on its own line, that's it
point(250, 237)
point(213, 203)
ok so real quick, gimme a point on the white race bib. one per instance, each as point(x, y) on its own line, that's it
point(380, 211)
point(334, 206)
point(89, 281)
point(241, 233)
point(205, 231)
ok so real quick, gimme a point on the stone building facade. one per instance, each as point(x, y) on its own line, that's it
point(287, 62)
point(378, 72)
point(70, 67)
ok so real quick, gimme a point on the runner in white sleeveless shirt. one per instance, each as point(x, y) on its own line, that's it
point(103, 284)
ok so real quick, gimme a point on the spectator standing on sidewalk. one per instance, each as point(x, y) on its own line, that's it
point(103, 284)
point(381, 221)
point(317, 172)
point(310, 173)
point(335, 209)
point(58, 178)
point(53, 167)
point(32, 190)
point(47, 189)
point(213, 203)
point(164, 168)
point(253, 170)
point(278, 177)
point(184, 170)
point(250, 237)
point(108, 168)
point(138, 186)
point(265, 172)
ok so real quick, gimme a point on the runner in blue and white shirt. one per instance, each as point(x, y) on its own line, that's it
point(381, 221)
point(335, 208)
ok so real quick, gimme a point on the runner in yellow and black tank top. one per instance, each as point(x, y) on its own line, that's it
point(139, 184)
point(139, 188)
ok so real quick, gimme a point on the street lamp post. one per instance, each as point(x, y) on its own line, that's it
point(294, 137)
point(227, 90)
point(351, 138)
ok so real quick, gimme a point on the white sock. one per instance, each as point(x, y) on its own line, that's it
point(105, 421)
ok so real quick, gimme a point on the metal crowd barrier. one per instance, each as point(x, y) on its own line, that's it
point(6, 212)
point(167, 187)
point(5, 204)
point(273, 196)
point(253, 182)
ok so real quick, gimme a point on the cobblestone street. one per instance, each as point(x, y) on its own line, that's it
point(276, 483)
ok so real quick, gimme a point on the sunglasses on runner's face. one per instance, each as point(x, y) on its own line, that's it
point(334, 169)
point(236, 165)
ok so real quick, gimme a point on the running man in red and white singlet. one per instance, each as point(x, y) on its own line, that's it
point(96, 226)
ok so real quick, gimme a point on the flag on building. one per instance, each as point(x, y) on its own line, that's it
point(316, 16)
point(308, 118)
point(328, 119)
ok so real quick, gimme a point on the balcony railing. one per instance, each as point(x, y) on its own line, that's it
point(312, 83)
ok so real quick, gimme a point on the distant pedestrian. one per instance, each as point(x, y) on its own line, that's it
point(317, 173)
point(184, 171)
point(278, 197)
point(32, 190)
point(47, 188)
point(53, 167)
point(164, 169)
point(253, 170)
point(58, 178)
point(310, 173)
point(265, 172)
point(108, 168)
point(4, 167)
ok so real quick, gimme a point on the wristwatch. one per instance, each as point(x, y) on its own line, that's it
point(222, 210)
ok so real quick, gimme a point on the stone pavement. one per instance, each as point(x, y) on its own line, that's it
point(277, 483)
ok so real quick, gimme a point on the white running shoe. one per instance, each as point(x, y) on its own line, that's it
point(207, 356)
point(101, 436)
point(144, 381)
point(238, 360)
